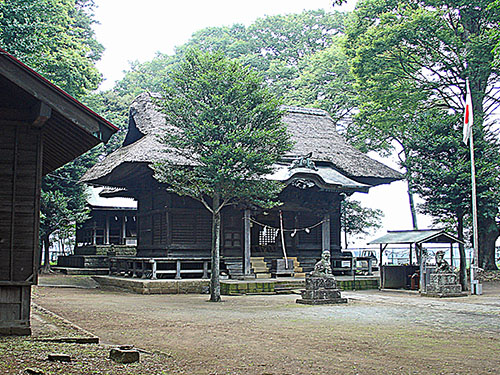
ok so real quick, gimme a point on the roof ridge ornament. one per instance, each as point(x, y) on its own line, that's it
point(303, 161)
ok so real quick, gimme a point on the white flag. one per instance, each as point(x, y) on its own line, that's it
point(468, 116)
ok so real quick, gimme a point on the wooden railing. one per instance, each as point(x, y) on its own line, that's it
point(153, 268)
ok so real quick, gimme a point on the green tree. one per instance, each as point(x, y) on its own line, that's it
point(272, 46)
point(228, 125)
point(357, 220)
point(441, 169)
point(55, 38)
point(325, 82)
point(413, 56)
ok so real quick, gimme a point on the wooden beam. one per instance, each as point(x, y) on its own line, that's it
point(41, 113)
point(38, 192)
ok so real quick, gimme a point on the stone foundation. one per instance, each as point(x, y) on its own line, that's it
point(321, 291)
point(443, 285)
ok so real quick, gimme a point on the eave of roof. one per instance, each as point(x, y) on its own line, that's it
point(32, 82)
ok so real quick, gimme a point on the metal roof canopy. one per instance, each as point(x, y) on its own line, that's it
point(416, 237)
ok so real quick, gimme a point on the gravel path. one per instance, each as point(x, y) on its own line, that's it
point(375, 333)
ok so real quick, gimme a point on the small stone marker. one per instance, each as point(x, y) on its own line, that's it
point(33, 371)
point(124, 355)
point(59, 357)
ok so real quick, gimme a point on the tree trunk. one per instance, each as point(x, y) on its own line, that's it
point(488, 235)
point(413, 210)
point(215, 276)
point(462, 275)
point(46, 254)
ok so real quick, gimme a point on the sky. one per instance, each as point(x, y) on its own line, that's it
point(136, 30)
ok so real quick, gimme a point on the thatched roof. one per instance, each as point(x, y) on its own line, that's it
point(312, 130)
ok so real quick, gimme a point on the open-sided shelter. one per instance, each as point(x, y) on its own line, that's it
point(42, 129)
point(319, 172)
point(396, 276)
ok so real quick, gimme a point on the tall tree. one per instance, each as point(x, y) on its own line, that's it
point(441, 169)
point(410, 56)
point(325, 81)
point(228, 125)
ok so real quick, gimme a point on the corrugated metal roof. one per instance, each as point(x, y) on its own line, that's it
point(416, 236)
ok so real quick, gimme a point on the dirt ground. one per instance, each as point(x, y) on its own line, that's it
point(375, 333)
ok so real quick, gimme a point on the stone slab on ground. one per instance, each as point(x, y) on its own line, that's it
point(124, 355)
point(59, 357)
point(332, 301)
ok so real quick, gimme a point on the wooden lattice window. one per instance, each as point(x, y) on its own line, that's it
point(267, 236)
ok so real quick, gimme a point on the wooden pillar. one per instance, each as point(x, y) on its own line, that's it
point(94, 233)
point(451, 254)
point(124, 230)
point(247, 243)
point(178, 270)
point(411, 254)
point(205, 270)
point(382, 248)
point(422, 268)
point(106, 231)
point(153, 269)
point(325, 233)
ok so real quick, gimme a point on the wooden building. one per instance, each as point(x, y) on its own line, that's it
point(108, 225)
point(42, 129)
point(319, 172)
point(109, 231)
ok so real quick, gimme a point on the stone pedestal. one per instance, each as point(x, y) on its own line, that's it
point(321, 291)
point(443, 285)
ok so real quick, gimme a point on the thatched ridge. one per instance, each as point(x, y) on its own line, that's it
point(312, 130)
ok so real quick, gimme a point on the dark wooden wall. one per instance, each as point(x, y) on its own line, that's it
point(20, 176)
point(170, 225)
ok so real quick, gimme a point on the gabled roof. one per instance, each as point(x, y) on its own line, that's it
point(312, 130)
point(416, 237)
point(69, 127)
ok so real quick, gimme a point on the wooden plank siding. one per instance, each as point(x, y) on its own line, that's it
point(20, 173)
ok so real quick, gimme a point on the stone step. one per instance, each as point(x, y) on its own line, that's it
point(262, 275)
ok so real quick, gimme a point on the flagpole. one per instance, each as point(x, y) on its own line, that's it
point(475, 286)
